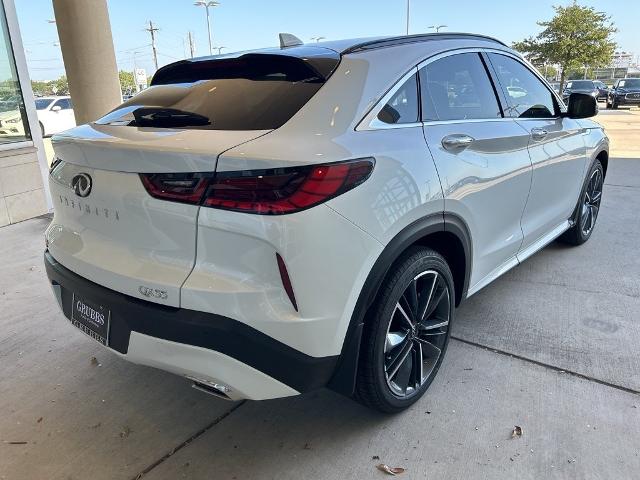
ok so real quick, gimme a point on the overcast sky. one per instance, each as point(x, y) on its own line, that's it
point(244, 24)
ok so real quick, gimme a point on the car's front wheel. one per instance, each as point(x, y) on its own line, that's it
point(588, 207)
point(406, 336)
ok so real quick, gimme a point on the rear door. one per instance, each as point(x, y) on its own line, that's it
point(556, 147)
point(481, 157)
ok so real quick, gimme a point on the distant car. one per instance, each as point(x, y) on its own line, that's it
point(516, 92)
point(11, 124)
point(55, 114)
point(625, 91)
point(580, 86)
point(603, 90)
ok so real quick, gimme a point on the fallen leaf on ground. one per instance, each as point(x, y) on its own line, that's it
point(94, 361)
point(517, 432)
point(39, 420)
point(307, 446)
point(375, 457)
point(390, 470)
point(126, 431)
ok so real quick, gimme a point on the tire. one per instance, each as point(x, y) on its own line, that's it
point(588, 207)
point(42, 130)
point(608, 104)
point(384, 382)
point(614, 105)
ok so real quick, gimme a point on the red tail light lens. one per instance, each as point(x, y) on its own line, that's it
point(178, 187)
point(265, 192)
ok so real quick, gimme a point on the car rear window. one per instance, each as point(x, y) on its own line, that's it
point(250, 92)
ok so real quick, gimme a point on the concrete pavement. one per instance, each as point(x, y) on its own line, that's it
point(553, 346)
point(623, 127)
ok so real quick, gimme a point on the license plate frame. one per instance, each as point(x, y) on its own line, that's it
point(91, 318)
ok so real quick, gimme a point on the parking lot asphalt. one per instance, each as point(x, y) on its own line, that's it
point(553, 346)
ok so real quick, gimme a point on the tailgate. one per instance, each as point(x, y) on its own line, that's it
point(106, 226)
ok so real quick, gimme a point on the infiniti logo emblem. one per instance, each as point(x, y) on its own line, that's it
point(81, 184)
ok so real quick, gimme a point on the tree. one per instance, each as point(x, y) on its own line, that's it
point(60, 86)
point(548, 71)
point(41, 88)
point(575, 38)
point(127, 82)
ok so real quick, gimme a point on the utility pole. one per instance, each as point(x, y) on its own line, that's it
point(192, 47)
point(135, 68)
point(152, 30)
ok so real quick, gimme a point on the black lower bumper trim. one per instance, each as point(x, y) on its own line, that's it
point(215, 332)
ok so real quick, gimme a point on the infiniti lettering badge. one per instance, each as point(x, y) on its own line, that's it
point(81, 184)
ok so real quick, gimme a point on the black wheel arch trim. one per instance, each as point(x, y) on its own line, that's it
point(575, 216)
point(344, 378)
point(215, 332)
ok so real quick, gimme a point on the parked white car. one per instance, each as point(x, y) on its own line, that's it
point(276, 221)
point(55, 114)
point(11, 124)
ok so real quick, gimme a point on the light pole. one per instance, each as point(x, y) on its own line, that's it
point(206, 5)
point(220, 50)
point(317, 39)
point(438, 27)
point(408, 13)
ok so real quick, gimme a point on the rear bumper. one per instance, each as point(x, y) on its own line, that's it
point(211, 347)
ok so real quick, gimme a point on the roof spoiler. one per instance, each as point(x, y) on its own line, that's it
point(288, 40)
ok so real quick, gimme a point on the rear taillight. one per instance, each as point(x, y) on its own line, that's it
point(265, 192)
point(178, 187)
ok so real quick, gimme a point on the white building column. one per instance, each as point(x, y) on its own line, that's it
point(86, 42)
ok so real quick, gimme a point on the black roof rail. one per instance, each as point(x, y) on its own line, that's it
point(423, 37)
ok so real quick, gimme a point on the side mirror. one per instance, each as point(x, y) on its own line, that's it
point(56, 108)
point(581, 105)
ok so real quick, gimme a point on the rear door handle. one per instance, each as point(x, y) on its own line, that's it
point(539, 133)
point(457, 141)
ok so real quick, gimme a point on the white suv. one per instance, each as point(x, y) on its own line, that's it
point(271, 222)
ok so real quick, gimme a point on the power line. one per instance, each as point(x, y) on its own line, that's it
point(152, 30)
point(134, 48)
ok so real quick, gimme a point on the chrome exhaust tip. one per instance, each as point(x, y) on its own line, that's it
point(216, 389)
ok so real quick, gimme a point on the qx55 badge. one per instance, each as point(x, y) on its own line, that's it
point(81, 184)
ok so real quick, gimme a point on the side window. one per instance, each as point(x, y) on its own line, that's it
point(457, 88)
point(63, 103)
point(403, 106)
point(528, 97)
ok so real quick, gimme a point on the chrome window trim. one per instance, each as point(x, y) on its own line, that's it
point(467, 120)
point(370, 120)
